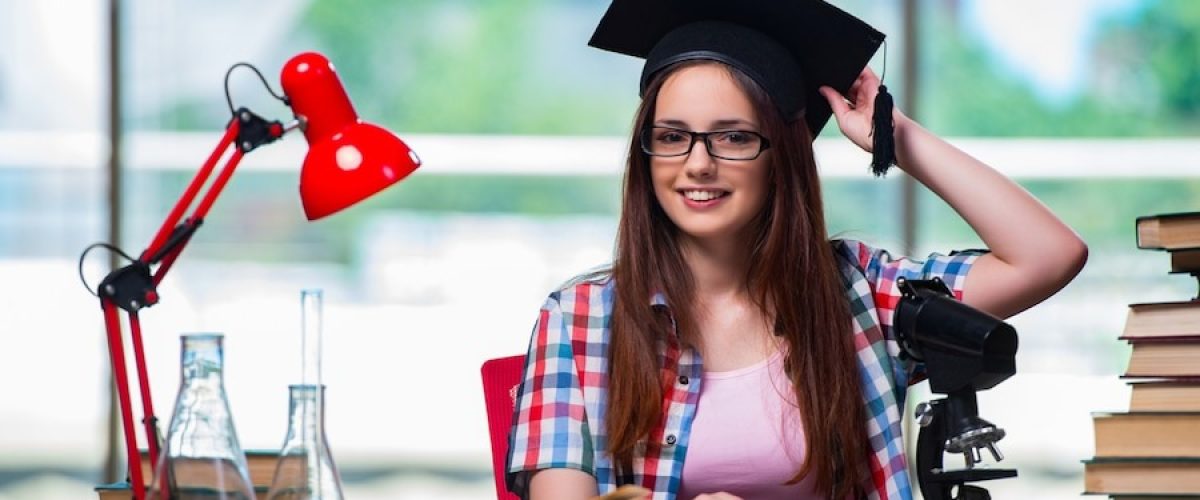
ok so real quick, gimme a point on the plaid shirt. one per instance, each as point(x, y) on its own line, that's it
point(559, 415)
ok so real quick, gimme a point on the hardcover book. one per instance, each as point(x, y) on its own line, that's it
point(1175, 394)
point(1142, 476)
point(1169, 231)
point(1164, 358)
point(1147, 434)
point(1162, 320)
point(1185, 261)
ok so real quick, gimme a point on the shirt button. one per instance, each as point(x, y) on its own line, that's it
point(683, 379)
point(671, 440)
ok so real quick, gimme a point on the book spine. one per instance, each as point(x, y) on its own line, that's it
point(1152, 231)
point(1185, 260)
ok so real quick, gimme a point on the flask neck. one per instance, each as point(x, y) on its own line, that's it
point(202, 359)
point(306, 407)
point(311, 311)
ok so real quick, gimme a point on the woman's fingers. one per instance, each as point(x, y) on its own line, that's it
point(855, 90)
point(861, 93)
point(865, 88)
point(836, 102)
point(869, 76)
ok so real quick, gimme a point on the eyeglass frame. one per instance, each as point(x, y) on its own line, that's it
point(763, 145)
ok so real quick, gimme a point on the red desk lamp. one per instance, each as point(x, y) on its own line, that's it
point(348, 160)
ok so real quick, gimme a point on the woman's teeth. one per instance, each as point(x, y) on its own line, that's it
point(703, 195)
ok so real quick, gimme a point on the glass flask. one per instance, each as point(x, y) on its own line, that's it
point(306, 470)
point(201, 458)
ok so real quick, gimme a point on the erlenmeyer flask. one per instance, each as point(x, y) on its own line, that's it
point(201, 458)
point(306, 470)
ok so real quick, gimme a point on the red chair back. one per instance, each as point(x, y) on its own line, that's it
point(501, 377)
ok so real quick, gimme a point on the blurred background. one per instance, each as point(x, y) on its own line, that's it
point(1090, 104)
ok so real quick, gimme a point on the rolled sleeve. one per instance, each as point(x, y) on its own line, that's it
point(883, 270)
point(550, 425)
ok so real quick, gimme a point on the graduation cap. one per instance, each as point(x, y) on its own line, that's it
point(789, 47)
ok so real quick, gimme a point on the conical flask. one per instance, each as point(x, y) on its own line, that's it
point(306, 470)
point(202, 458)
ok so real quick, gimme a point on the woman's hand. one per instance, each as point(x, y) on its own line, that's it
point(855, 110)
point(718, 496)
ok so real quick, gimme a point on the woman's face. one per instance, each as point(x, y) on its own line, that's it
point(709, 199)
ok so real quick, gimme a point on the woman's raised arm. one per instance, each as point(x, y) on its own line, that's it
point(1033, 253)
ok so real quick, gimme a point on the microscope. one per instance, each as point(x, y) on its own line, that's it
point(964, 350)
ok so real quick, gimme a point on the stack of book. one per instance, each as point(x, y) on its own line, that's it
point(1153, 450)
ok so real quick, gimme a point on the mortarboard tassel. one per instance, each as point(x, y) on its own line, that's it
point(883, 141)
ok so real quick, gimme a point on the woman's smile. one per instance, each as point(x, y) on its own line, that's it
point(703, 199)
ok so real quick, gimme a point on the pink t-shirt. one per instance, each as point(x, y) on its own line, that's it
point(747, 438)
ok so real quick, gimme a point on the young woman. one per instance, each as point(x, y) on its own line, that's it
point(733, 350)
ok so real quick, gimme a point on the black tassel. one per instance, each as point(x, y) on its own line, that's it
point(883, 141)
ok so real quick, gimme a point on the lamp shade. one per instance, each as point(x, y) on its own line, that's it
point(348, 159)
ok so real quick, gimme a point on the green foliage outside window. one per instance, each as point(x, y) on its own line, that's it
point(522, 67)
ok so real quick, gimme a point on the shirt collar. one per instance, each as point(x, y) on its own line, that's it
point(658, 299)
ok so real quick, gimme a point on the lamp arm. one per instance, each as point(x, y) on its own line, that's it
point(133, 287)
point(251, 131)
point(189, 194)
point(116, 352)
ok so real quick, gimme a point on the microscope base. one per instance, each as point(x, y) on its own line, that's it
point(939, 484)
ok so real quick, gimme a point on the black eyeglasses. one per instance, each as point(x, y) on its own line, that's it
point(723, 144)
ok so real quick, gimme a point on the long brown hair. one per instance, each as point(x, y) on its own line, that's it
point(792, 277)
